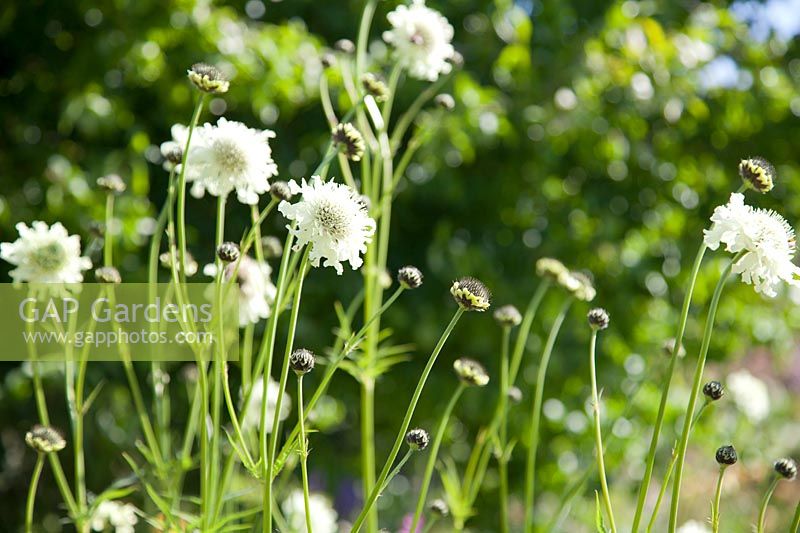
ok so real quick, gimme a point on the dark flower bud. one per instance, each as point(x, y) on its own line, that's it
point(375, 86)
point(758, 173)
point(409, 277)
point(349, 140)
point(713, 390)
point(417, 439)
point(786, 468)
point(280, 190)
point(598, 318)
point(302, 361)
point(470, 294)
point(45, 439)
point(726, 455)
point(107, 274)
point(208, 79)
point(228, 252)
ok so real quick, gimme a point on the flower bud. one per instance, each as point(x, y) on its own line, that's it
point(439, 508)
point(471, 372)
point(349, 140)
point(302, 361)
point(345, 46)
point(280, 191)
point(550, 268)
point(111, 183)
point(758, 173)
point(470, 294)
point(417, 439)
point(45, 439)
point(208, 79)
point(108, 274)
point(669, 346)
point(272, 246)
point(327, 59)
point(515, 394)
point(445, 101)
point(726, 455)
point(375, 86)
point(507, 316)
point(713, 390)
point(409, 277)
point(228, 252)
point(786, 468)
point(598, 318)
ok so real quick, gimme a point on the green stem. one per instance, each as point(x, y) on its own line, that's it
point(696, 385)
point(108, 242)
point(216, 406)
point(665, 386)
point(503, 431)
point(717, 497)
point(37, 472)
point(796, 520)
point(273, 447)
point(598, 435)
point(411, 113)
point(536, 413)
point(363, 36)
point(406, 420)
point(762, 513)
point(434, 452)
point(668, 475)
point(181, 206)
point(303, 450)
point(479, 458)
point(525, 329)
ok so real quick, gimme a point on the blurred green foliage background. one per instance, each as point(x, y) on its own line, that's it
point(601, 133)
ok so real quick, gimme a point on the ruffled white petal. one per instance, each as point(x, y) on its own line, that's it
point(421, 39)
point(331, 219)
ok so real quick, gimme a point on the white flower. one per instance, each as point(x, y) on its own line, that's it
point(767, 240)
point(120, 516)
point(332, 219)
point(323, 515)
point(231, 156)
point(172, 150)
point(693, 526)
point(45, 254)
point(421, 38)
point(256, 291)
point(750, 394)
point(252, 411)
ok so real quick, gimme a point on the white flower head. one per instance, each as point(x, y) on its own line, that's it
point(229, 156)
point(256, 290)
point(750, 394)
point(323, 515)
point(120, 516)
point(252, 411)
point(172, 150)
point(421, 38)
point(45, 254)
point(693, 526)
point(767, 240)
point(332, 219)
